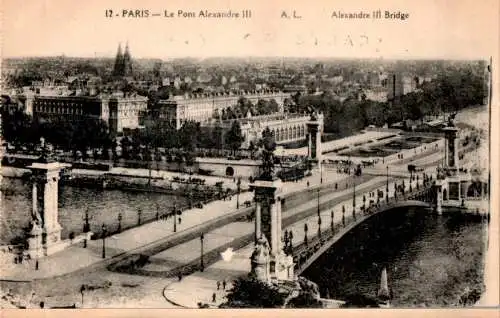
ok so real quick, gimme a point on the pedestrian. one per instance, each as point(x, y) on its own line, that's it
point(213, 297)
point(179, 276)
point(218, 285)
point(308, 183)
point(180, 220)
point(224, 284)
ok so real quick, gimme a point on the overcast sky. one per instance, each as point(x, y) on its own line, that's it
point(435, 29)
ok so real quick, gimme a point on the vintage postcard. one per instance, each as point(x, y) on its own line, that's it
point(234, 154)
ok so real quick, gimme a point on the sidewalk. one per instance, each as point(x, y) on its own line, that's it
point(200, 286)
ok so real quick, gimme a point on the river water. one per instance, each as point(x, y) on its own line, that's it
point(103, 207)
point(430, 259)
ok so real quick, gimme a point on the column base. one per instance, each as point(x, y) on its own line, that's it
point(53, 243)
point(35, 242)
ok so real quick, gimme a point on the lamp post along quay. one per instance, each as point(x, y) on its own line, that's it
point(238, 184)
point(202, 265)
point(120, 218)
point(319, 212)
point(321, 172)
point(174, 214)
point(86, 226)
point(104, 229)
point(139, 214)
point(354, 198)
point(387, 186)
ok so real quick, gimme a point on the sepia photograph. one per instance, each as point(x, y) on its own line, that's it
point(229, 155)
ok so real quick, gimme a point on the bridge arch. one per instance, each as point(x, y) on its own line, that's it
point(314, 251)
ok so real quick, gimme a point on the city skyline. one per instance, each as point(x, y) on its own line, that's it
point(428, 34)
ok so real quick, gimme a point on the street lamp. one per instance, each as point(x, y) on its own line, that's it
point(174, 214)
point(319, 227)
point(120, 217)
point(202, 266)
point(104, 229)
point(343, 216)
point(321, 171)
point(331, 224)
point(238, 184)
point(354, 198)
point(306, 228)
point(82, 289)
point(38, 253)
point(318, 203)
point(387, 186)
point(86, 226)
point(139, 213)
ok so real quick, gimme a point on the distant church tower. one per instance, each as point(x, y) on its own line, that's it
point(118, 61)
point(123, 62)
point(127, 62)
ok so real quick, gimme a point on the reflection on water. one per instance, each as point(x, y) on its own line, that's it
point(103, 207)
point(430, 259)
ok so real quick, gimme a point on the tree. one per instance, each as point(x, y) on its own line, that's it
point(16, 126)
point(234, 137)
point(217, 137)
point(189, 135)
point(252, 293)
point(288, 105)
point(244, 105)
point(273, 106)
point(263, 107)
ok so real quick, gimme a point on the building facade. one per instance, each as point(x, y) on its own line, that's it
point(399, 85)
point(203, 107)
point(119, 111)
point(286, 128)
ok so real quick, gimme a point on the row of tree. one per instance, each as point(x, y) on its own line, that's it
point(245, 106)
point(20, 129)
point(447, 93)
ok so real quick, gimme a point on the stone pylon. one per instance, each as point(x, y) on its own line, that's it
point(452, 146)
point(314, 129)
point(268, 229)
point(46, 230)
